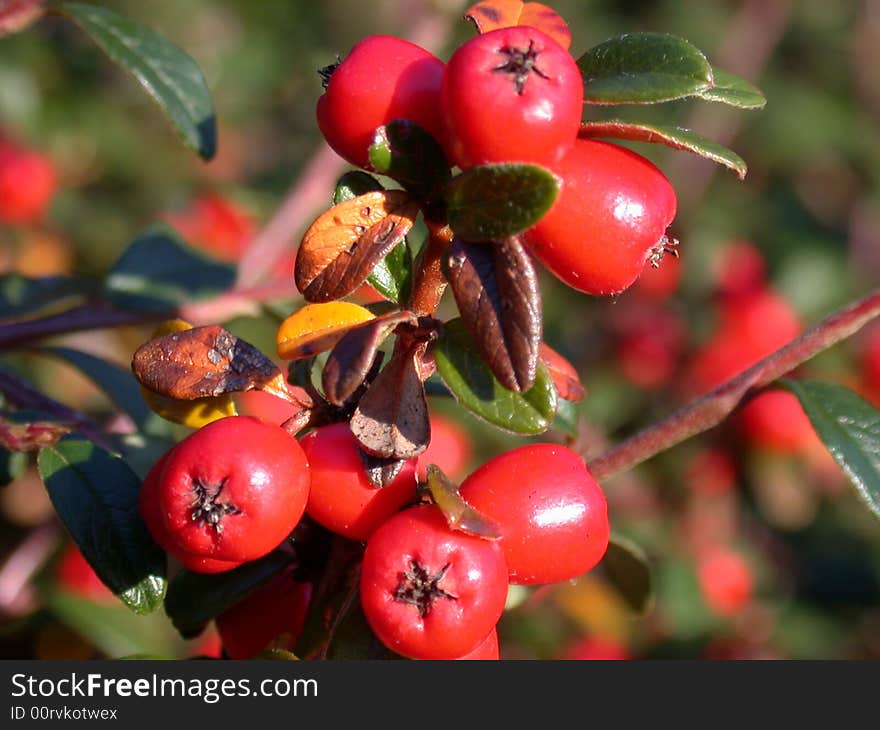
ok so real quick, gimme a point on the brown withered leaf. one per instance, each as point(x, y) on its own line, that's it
point(380, 472)
point(203, 361)
point(565, 377)
point(351, 357)
point(391, 419)
point(496, 289)
point(341, 248)
point(458, 513)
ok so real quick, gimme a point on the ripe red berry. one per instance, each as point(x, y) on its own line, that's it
point(774, 420)
point(267, 407)
point(725, 579)
point(216, 225)
point(341, 497)
point(274, 609)
point(429, 592)
point(233, 490)
point(597, 648)
point(487, 649)
point(450, 448)
point(382, 79)
point(511, 95)
point(27, 184)
point(609, 220)
point(552, 513)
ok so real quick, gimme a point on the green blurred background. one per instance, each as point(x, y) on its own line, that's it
point(810, 204)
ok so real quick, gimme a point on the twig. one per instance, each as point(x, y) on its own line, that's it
point(16, 592)
point(711, 409)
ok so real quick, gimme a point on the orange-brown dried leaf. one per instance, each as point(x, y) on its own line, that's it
point(342, 247)
point(458, 513)
point(565, 377)
point(314, 328)
point(495, 14)
point(204, 361)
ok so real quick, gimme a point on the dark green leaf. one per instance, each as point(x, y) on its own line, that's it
point(21, 295)
point(158, 272)
point(496, 201)
point(392, 276)
point(95, 494)
point(354, 183)
point(850, 429)
point(353, 638)
point(733, 90)
point(643, 68)
point(12, 464)
point(277, 655)
point(473, 385)
point(567, 417)
point(170, 76)
point(405, 152)
point(195, 598)
point(626, 568)
point(118, 383)
point(675, 137)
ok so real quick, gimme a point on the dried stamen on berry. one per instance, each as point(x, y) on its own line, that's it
point(665, 245)
point(520, 63)
point(325, 72)
point(206, 509)
point(419, 588)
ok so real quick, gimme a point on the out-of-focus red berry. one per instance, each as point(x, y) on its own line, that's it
point(659, 282)
point(726, 580)
point(740, 270)
point(216, 225)
point(774, 420)
point(597, 648)
point(27, 184)
point(74, 574)
point(450, 449)
point(650, 347)
point(711, 471)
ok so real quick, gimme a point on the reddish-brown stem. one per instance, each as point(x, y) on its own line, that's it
point(711, 409)
point(430, 282)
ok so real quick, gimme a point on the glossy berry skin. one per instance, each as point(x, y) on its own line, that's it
point(725, 580)
point(382, 79)
point(552, 513)
point(233, 490)
point(487, 649)
point(341, 497)
point(511, 95)
point(27, 184)
point(274, 609)
point(429, 592)
point(610, 217)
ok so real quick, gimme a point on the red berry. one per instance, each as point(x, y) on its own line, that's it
point(74, 574)
point(552, 513)
point(725, 580)
point(710, 472)
point(382, 79)
point(233, 490)
point(511, 95)
point(774, 420)
point(429, 592)
point(341, 497)
point(27, 184)
point(486, 649)
point(450, 448)
point(269, 408)
point(216, 225)
point(275, 608)
point(609, 220)
point(661, 281)
point(597, 648)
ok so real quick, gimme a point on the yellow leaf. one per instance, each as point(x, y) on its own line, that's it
point(317, 327)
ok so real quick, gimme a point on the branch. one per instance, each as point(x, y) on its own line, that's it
point(711, 409)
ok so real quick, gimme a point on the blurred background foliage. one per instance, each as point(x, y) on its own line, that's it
point(810, 204)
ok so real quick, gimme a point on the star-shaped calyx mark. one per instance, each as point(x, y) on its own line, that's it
point(420, 588)
point(206, 509)
point(519, 64)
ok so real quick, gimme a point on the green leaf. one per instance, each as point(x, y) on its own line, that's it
point(496, 201)
point(95, 494)
point(626, 568)
point(474, 387)
point(676, 137)
point(643, 68)
point(170, 76)
point(118, 383)
point(354, 183)
point(12, 464)
point(567, 416)
point(392, 276)
point(733, 90)
point(405, 152)
point(22, 295)
point(850, 428)
point(195, 598)
point(158, 272)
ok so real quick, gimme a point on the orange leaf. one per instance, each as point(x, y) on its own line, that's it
point(317, 327)
point(494, 14)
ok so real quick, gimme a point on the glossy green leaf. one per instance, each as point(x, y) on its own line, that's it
point(626, 568)
point(195, 598)
point(496, 201)
point(22, 295)
point(12, 464)
point(567, 417)
point(392, 276)
point(643, 68)
point(158, 272)
point(354, 183)
point(849, 427)
point(474, 387)
point(95, 494)
point(169, 75)
point(117, 382)
point(405, 152)
point(676, 137)
point(734, 91)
